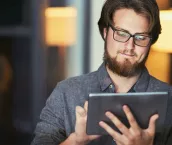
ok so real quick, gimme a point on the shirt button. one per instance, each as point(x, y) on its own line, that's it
point(111, 86)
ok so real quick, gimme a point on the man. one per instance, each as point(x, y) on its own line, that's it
point(129, 28)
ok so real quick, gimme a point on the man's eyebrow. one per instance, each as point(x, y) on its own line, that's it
point(119, 28)
point(143, 33)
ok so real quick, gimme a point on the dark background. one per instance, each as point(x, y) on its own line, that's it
point(22, 44)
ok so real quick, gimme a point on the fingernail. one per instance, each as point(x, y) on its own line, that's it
point(107, 113)
point(157, 116)
point(101, 123)
point(125, 107)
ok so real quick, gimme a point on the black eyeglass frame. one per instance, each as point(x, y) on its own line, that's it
point(114, 29)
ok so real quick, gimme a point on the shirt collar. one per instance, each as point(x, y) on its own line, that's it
point(103, 77)
point(105, 80)
point(143, 81)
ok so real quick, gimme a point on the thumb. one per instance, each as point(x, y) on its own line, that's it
point(80, 125)
point(152, 124)
point(80, 112)
point(86, 106)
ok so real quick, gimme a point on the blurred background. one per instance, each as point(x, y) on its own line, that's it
point(45, 41)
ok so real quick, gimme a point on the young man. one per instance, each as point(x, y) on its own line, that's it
point(129, 28)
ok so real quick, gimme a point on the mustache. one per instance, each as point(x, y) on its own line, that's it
point(129, 52)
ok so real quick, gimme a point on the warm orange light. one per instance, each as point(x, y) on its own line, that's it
point(160, 70)
point(61, 26)
point(164, 43)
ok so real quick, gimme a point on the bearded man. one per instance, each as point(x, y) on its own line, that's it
point(128, 28)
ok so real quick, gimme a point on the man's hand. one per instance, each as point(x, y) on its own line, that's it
point(80, 128)
point(133, 135)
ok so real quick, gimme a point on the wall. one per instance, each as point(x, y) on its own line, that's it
point(97, 43)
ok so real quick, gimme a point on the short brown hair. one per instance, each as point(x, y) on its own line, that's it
point(147, 8)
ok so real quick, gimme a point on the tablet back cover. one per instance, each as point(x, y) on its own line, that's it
point(142, 105)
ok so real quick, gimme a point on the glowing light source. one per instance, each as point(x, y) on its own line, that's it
point(164, 43)
point(60, 26)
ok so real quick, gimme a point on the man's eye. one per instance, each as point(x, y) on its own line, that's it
point(122, 34)
point(140, 37)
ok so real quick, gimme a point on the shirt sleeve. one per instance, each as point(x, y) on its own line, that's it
point(50, 130)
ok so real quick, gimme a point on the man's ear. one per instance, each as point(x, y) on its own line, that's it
point(104, 33)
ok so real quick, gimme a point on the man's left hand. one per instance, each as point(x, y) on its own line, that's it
point(133, 135)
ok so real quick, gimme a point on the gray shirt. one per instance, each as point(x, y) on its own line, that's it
point(58, 116)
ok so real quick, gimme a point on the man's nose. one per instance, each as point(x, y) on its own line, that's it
point(130, 43)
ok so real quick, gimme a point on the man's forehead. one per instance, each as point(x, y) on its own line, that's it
point(131, 21)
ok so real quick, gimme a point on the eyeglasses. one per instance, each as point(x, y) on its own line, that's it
point(140, 39)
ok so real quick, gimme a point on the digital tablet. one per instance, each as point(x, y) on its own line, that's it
point(142, 105)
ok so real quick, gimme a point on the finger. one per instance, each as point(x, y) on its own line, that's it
point(130, 117)
point(118, 143)
point(86, 106)
point(152, 124)
point(80, 125)
point(93, 137)
point(123, 129)
point(80, 112)
point(110, 131)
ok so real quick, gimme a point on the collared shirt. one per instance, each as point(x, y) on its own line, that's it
point(58, 116)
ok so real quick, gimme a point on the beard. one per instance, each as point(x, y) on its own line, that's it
point(125, 68)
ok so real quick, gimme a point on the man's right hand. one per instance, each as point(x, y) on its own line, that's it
point(79, 137)
point(80, 127)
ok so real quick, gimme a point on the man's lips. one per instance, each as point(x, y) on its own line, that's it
point(129, 55)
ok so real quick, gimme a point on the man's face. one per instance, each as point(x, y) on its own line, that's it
point(126, 59)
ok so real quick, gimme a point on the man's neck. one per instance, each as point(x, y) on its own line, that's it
point(122, 84)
